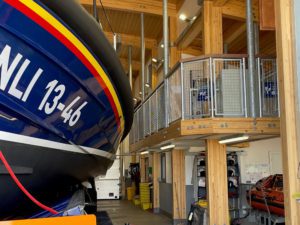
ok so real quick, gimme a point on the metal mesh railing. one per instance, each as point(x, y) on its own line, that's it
point(161, 109)
point(147, 120)
point(140, 124)
point(153, 113)
point(135, 128)
point(229, 87)
point(269, 99)
point(131, 134)
point(207, 87)
point(197, 89)
point(175, 96)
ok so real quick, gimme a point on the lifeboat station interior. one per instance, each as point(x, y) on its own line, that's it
point(215, 135)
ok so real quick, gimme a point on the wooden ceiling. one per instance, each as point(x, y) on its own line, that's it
point(124, 17)
point(128, 25)
point(235, 35)
point(126, 22)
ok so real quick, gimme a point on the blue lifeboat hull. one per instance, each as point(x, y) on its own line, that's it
point(62, 116)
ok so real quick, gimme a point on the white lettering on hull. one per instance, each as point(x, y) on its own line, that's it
point(19, 89)
point(7, 72)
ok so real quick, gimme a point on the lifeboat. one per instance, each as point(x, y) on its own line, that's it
point(267, 195)
point(65, 100)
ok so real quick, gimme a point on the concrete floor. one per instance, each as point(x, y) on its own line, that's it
point(123, 211)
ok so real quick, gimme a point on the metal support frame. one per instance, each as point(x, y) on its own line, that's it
point(95, 11)
point(142, 57)
point(256, 38)
point(258, 65)
point(251, 56)
point(278, 101)
point(166, 55)
point(166, 36)
point(211, 72)
point(143, 69)
point(182, 92)
point(245, 88)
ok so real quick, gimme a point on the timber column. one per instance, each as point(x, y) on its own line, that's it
point(212, 29)
point(287, 73)
point(216, 168)
point(142, 169)
point(156, 174)
point(178, 185)
point(174, 53)
point(216, 183)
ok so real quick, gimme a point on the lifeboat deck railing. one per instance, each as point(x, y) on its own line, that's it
point(206, 87)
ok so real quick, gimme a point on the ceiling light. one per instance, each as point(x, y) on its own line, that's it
point(182, 17)
point(234, 139)
point(167, 147)
point(154, 60)
point(144, 153)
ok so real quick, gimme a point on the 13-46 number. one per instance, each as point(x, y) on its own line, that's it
point(68, 112)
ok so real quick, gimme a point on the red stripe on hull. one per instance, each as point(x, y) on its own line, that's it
point(44, 24)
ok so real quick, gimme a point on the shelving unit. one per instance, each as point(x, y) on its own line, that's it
point(233, 173)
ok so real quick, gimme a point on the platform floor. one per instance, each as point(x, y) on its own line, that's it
point(121, 212)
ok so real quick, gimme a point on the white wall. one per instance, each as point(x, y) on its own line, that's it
point(168, 167)
point(189, 163)
point(261, 159)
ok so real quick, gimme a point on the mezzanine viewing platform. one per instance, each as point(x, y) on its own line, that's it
point(208, 97)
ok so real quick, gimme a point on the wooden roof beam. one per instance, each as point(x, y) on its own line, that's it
point(127, 39)
point(237, 10)
point(235, 34)
point(139, 6)
point(190, 33)
point(191, 50)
